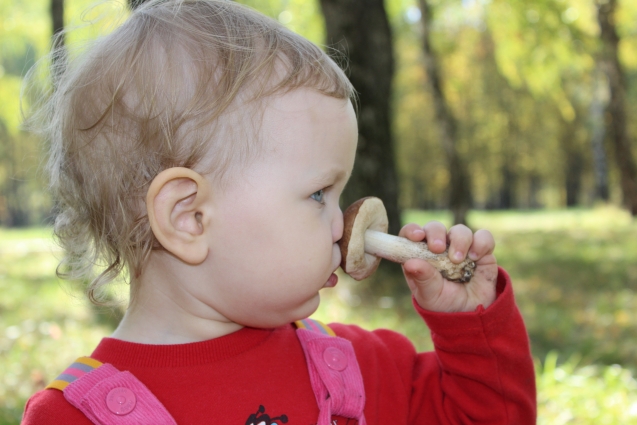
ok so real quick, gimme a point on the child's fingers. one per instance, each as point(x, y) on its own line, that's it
point(460, 240)
point(424, 281)
point(483, 245)
point(436, 234)
point(413, 232)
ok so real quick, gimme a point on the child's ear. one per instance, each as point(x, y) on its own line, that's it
point(178, 204)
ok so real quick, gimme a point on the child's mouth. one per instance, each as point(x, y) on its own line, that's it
point(331, 282)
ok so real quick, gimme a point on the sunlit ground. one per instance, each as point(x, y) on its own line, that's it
point(574, 273)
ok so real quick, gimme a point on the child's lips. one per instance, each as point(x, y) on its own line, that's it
point(331, 282)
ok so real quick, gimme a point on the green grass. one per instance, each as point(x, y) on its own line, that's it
point(575, 277)
point(574, 274)
point(569, 393)
point(43, 323)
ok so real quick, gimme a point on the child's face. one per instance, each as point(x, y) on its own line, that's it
point(275, 228)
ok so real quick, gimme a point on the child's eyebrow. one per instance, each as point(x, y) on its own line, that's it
point(329, 176)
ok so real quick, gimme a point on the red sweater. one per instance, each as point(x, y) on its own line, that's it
point(481, 372)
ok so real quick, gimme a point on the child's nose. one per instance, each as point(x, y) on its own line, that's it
point(337, 226)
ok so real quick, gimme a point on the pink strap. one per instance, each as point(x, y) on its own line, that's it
point(335, 376)
point(110, 397)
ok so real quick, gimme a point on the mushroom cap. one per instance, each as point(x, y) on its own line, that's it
point(366, 213)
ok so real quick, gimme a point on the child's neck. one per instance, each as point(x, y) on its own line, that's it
point(163, 314)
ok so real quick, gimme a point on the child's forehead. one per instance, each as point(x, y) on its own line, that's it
point(296, 100)
point(302, 106)
point(315, 149)
point(304, 119)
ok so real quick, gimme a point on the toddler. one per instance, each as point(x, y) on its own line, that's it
point(200, 151)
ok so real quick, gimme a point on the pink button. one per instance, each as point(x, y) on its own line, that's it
point(335, 358)
point(121, 401)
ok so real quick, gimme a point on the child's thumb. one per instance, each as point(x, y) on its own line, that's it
point(423, 278)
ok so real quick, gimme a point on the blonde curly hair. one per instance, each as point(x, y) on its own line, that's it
point(176, 81)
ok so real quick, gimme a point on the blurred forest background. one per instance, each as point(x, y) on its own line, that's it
point(506, 114)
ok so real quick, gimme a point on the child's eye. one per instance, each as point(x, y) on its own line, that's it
point(318, 196)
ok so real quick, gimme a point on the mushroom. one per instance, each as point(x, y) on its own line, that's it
point(365, 241)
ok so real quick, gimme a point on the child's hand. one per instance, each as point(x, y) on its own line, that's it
point(431, 290)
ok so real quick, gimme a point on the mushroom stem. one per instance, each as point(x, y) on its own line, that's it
point(395, 248)
point(399, 250)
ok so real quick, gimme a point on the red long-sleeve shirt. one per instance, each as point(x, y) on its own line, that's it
point(481, 372)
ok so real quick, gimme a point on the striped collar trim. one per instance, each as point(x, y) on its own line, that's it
point(79, 368)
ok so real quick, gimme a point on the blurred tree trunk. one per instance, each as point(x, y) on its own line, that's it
point(57, 20)
point(13, 194)
point(573, 161)
point(359, 30)
point(535, 186)
point(509, 182)
point(58, 53)
point(506, 102)
point(459, 185)
point(509, 172)
point(616, 116)
point(598, 135)
point(134, 4)
point(58, 59)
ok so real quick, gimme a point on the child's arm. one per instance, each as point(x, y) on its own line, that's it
point(482, 368)
point(430, 289)
point(481, 371)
